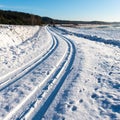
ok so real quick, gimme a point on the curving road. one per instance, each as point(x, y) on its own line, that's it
point(33, 87)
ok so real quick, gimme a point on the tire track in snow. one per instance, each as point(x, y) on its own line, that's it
point(21, 72)
point(61, 75)
point(20, 110)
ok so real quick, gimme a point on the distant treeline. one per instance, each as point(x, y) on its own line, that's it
point(79, 22)
point(20, 18)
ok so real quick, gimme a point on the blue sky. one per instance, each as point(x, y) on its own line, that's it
point(105, 10)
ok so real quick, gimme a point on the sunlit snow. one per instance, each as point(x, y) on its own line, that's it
point(60, 73)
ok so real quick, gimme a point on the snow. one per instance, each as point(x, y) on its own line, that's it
point(107, 32)
point(22, 51)
point(91, 91)
point(59, 73)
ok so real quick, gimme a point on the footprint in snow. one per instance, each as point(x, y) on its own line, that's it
point(71, 102)
point(74, 108)
point(81, 101)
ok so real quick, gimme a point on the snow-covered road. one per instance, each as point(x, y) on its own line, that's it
point(34, 82)
point(59, 73)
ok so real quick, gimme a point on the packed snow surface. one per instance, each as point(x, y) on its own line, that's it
point(59, 73)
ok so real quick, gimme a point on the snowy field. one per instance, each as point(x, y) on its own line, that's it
point(59, 73)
